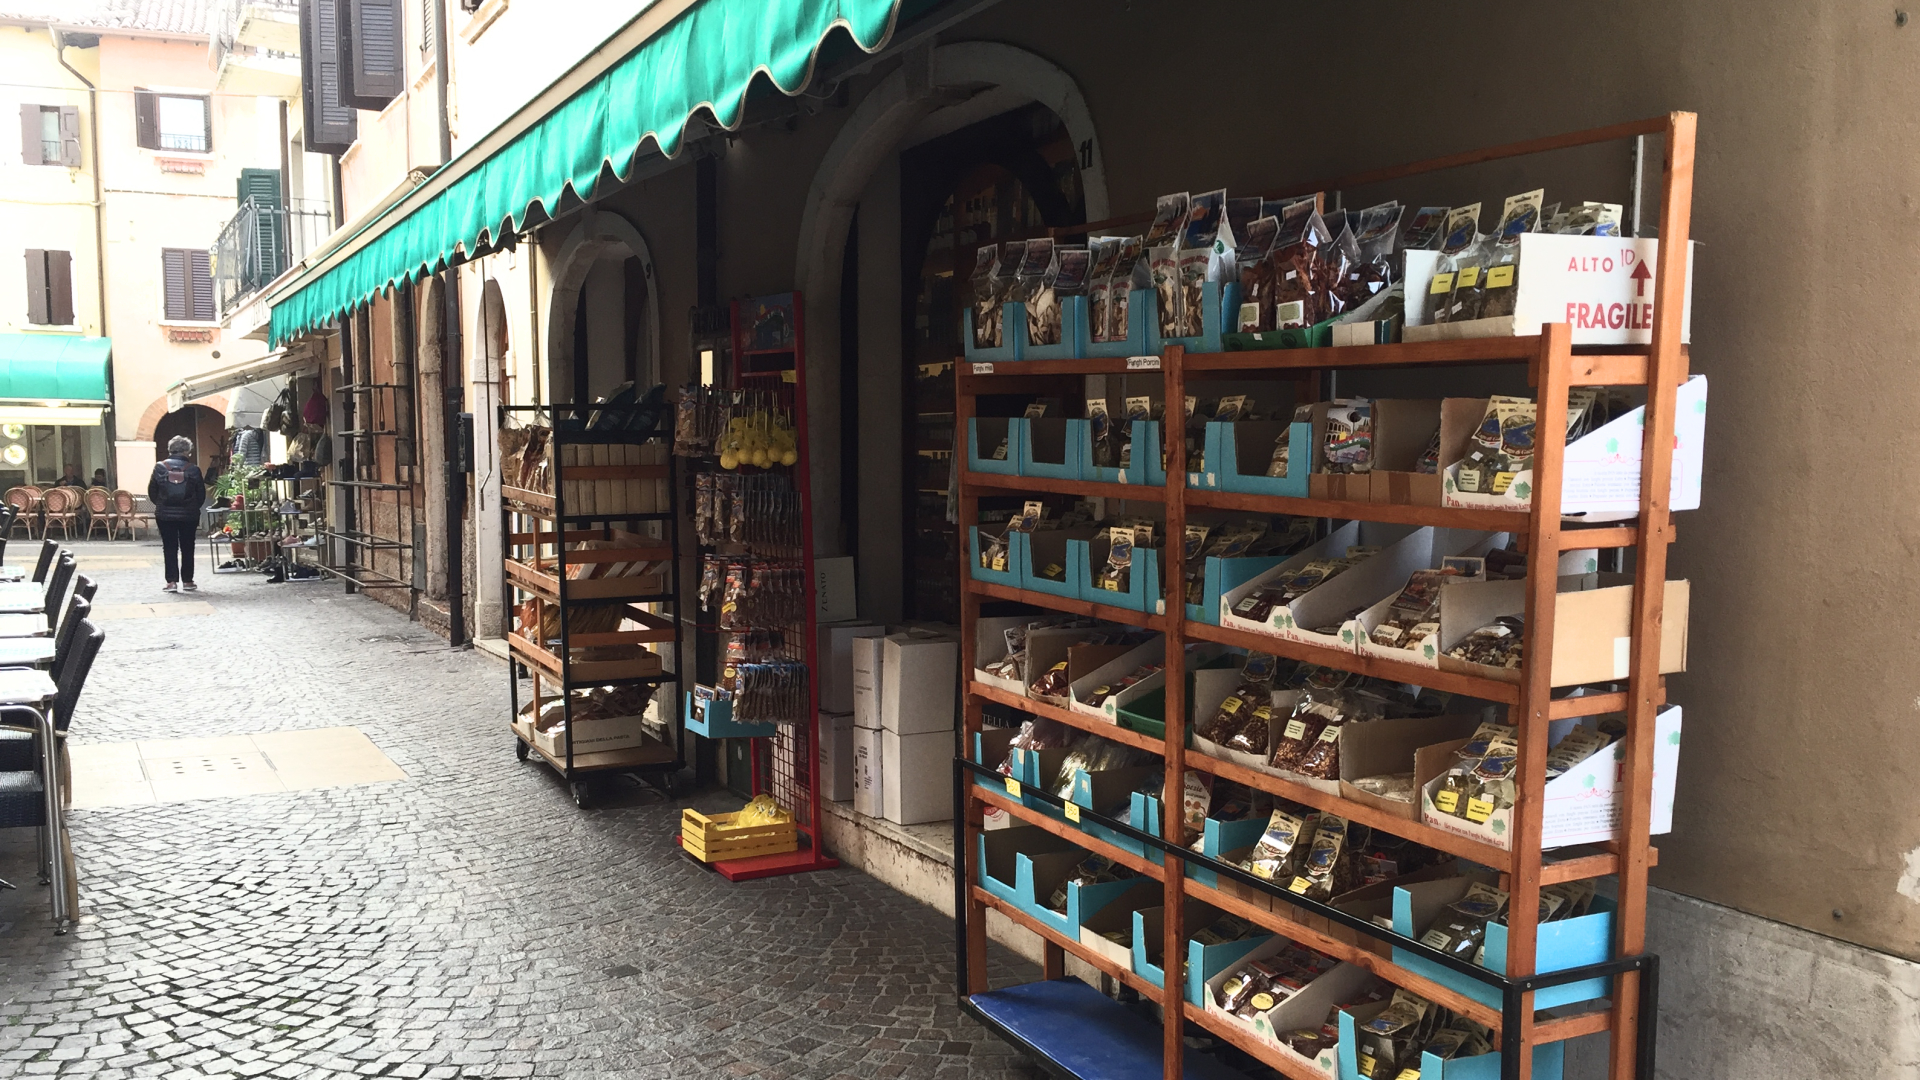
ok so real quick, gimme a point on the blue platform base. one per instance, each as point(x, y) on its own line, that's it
point(1076, 1031)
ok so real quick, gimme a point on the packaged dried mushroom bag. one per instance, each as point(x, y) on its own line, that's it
point(1105, 255)
point(1591, 219)
point(1197, 255)
point(1279, 465)
point(1325, 872)
point(1375, 236)
point(1042, 297)
point(1415, 613)
point(1424, 228)
point(1117, 576)
point(1126, 279)
point(1463, 926)
point(1255, 690)
point(1276, 856)
point(1500, 285)
point(1457, 240)
point(1299, 294)
point(1337, 260)
point(1006, 284)
point(986, 304)
point(1255, 270)
point(1162, 258)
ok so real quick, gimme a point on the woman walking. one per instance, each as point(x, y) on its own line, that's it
point(177, 491)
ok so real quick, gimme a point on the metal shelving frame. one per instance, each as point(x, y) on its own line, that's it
point(533, 523)
point(1627, 1015)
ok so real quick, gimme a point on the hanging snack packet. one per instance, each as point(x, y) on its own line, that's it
point(1425, 228)
point(1198, 261)
point(1275, 857)
point(1278, 465)
point(1516, 443)
point(986, 305)
point(1349, 436)
point(1592, 219)
point(1100, 432)
point(1520, 216)
point(1461, 232)
point(1230, 408)
point(1119, 570)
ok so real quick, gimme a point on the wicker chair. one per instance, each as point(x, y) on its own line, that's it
point(99, 512)
point(26, 504)
point(60, 507)
point(128, 515)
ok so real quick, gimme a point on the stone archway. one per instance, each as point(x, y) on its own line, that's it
point(599, 235)
point(150, 419)
point(928, 81)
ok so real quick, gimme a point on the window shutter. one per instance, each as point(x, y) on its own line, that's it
point(200, 277)
point(70, 136)
point(173, 276)
point(374, 73)
point(60, 288)
point(146, 119)
point(427, 10)
point(331, 125)
point(30, 134)
point(36, 284)
point(262, 186)
point(206, 125)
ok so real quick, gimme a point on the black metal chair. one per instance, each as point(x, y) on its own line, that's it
point(85, 586)
point(8, 512)
point(36, 797)
point(57, 588)
point(48, 550)
point(71, 664)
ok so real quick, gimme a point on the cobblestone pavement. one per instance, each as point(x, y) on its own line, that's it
point(466, 922)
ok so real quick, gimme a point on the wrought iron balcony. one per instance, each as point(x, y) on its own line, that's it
point(258, 245)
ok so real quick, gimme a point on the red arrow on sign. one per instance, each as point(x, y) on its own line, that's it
point(1640, 275)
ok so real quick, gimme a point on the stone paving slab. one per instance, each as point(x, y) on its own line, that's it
point(465, 921)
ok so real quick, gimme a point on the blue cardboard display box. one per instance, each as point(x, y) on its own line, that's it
point(1559, 945)
point(1013, 326)
point(1139, 312)
point(1051, 447)
point(984, 434)
point(1011, 575)
point(1143, 583)
point(712, 717)
point(1239, 454)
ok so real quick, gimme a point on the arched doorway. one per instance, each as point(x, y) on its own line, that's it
point(205, 426)
point(603, 326)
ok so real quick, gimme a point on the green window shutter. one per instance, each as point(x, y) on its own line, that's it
point(262, 187)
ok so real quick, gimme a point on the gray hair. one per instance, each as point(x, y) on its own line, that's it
point(179, 446)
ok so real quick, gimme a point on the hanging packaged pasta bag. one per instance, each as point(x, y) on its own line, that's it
point(1198, 259)
point(1105, 253)
point(1162, 257)
point(1126, 279)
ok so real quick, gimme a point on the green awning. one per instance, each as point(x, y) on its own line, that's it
point(704, 58)
point(54, 367)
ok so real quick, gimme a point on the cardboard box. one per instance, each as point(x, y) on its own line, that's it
point(1582, 805)
point(1151, 652)
point(836, 663)
point(836, 756)
point(1603, 286)
point(1600, 479)
point(1391, 746)
point(868, 658)
point(919, 683)
point(1561, 944)
point(990, 647)
point(1050, 646)
point(833, 593)
point(1405, 548)
point(1308, 1007)
point(1403, 428)
point(919, 777)
point(1591, 627)
point(1117, 916)
point(869, 777)
point(593, 736)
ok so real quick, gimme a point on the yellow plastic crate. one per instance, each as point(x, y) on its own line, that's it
point(712, 837)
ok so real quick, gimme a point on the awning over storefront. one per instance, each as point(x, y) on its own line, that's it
point(704, 55)
point(271, 366)
point(54, 368)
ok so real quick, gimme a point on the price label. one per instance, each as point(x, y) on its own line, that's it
point(1013, 787)
point(1073, 812)
point(983, 369)
point(1143, 363)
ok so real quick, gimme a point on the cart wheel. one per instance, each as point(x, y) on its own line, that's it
point(582, 794)
point(520, 749)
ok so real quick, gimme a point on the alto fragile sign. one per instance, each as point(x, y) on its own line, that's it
point(1604, 287)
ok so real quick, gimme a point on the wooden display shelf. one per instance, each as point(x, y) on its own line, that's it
point(647, 753)
point(1117, 972)
point(1241, 1036)
point(546, 584)
point(1553, 366)
point(1010, 369)
point(1069, 605)
point(1093, 724)
point(1089, 489)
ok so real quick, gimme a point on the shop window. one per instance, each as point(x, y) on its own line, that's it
point(49, 287)
point(188, 282)
point(50, 135)
point(173, 121)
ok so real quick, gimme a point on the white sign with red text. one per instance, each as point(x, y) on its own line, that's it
point(1603, 286)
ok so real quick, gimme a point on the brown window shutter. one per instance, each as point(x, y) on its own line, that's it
point(173, 274)
point(200, 277)
point(146, 119)
point(30, 134)
point(373, 72)
point(70, 136)
point(60, 288)
point(206, 124)
point(37, 283)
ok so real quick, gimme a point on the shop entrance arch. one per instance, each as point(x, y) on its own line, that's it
point(603, 325)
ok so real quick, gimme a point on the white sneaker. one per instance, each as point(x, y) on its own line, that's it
point(170, 587)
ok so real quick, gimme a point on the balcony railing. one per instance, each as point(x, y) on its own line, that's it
point(259, 244)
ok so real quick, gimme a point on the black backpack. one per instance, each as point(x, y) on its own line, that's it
point(172, 477)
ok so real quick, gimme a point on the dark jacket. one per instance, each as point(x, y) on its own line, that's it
point(169, 476)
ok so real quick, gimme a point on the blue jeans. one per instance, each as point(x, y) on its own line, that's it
point(177, 538)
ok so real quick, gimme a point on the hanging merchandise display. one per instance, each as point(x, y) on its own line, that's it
point(588, 506)
point(744, 446)
point(1357, 777)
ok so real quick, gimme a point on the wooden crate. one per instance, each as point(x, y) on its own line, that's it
point(711, 837)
